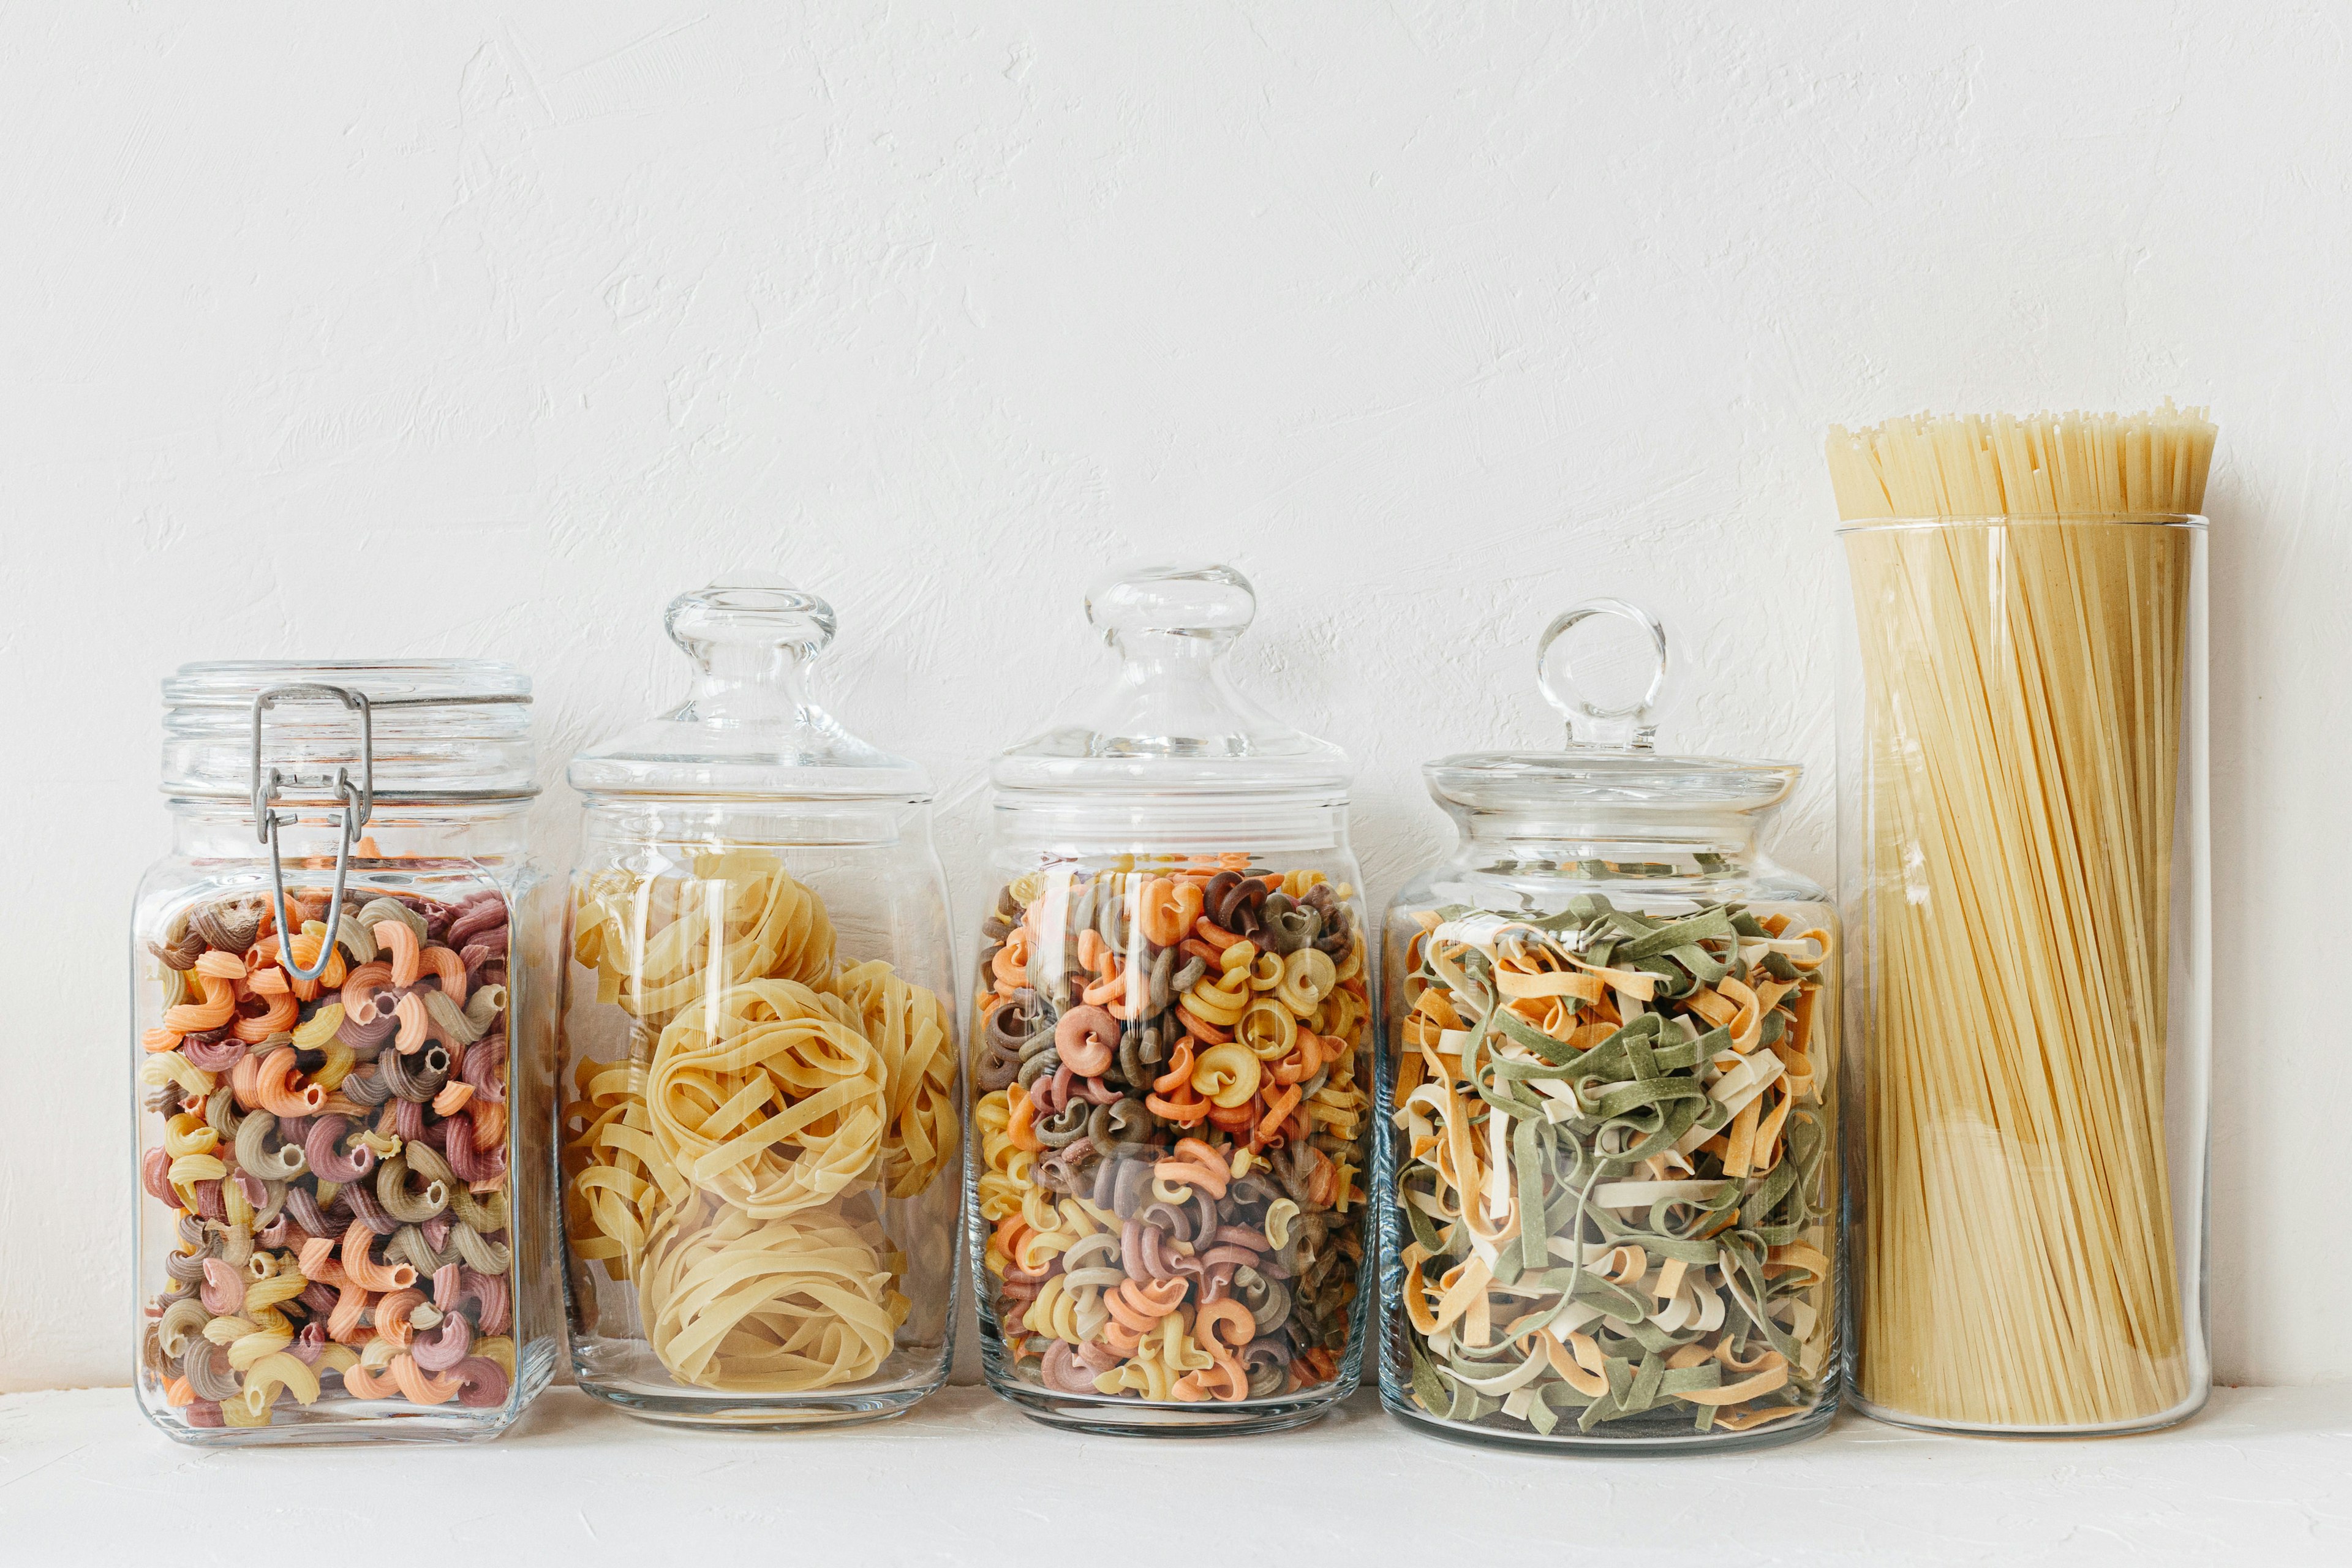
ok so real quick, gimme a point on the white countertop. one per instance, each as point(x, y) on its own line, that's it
point(2263, 1476)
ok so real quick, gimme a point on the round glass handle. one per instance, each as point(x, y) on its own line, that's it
point(1603, 664)
point(751, 636)
point(749, 612)
point(1211, 602)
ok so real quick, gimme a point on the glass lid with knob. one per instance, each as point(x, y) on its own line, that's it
point(1171, 721)
point(750, 726)
point(1606, 666)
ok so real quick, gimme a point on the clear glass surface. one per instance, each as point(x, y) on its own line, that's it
point(762, 1114)
point(2023, 812)
point(342, 1206)
point(1606, 1159)
point(1171, 1052)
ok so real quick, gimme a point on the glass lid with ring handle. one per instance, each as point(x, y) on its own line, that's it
point(1171, 722)
point(749, 726)
point(1606, 666)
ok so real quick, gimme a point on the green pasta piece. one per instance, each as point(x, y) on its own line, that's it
point(1578, 1123)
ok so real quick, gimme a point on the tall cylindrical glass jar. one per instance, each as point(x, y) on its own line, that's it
point(2023, 810)
point(762, 1123)
point(1607, 1161)
point(342, 1211)
point(1170, 1055)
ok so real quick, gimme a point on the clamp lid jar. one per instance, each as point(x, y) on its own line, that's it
point(760, 1067)
point(1607, 1155)
point(339, 1166)
point(1171, 1046)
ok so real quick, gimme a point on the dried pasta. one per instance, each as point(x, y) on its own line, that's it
point(1615, 1169)
point(735, 1164)
point(780, 1305)
point(342, 1220)
point(1172, 1119)
point(2025, 655)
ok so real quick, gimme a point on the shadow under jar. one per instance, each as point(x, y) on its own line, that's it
point(1170, 1057)
point(1607, 1163)
point(341, 1148)
point(761, 1122)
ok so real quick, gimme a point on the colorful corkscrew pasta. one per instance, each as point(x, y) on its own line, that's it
point(1171, 1118)
point(1616, 1171)
point(336, 1153)
point(736, 1164)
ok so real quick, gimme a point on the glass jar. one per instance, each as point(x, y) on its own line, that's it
point(1169, 1055)
point(2023, 805)
point(343, 1147)
point(762, 1122)
point(1607, 1152)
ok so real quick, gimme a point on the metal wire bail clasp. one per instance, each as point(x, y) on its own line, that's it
point(359, 804)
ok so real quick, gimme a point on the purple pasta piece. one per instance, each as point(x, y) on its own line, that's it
point(445, 1346)
point(493, 1307)
point(215, 1056)
point(204, 1413)
point(366, 1209)
point(156, 1175)
point(318, 1297)
point(436, 1232)
point(1063, 1371)
point(1144, 1249)
point(485, 1069)
point(470, 1163)
point(312, 1342)
point(209, 1202)
point(302, 1206)
point(328, 1160)
point(485, 1381)
point(478, 917)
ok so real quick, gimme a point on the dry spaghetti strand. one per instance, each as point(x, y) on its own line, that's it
point(2025, 664)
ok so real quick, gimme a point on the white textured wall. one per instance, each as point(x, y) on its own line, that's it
point(472, 328)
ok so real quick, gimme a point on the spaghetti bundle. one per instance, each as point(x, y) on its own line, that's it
point(2025, 657)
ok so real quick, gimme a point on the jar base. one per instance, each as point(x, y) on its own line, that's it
point(758, 1413)
point(346, 1423)
point(1813, 1423)
point(1132, 1418)
point(2174, 1416)
point(342, 1420)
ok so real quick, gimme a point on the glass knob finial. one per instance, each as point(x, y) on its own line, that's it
point(1603, 664)
point(1213, 603)
point(748, 613)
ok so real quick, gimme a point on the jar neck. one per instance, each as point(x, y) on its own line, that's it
point(207, 828)
point(1113, 823)
point(1628, 835)
point(723, 822)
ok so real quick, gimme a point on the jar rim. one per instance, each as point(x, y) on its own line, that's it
point(2025, 520)
point(1608, 779)
point(441, 730)
point(223, 681)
